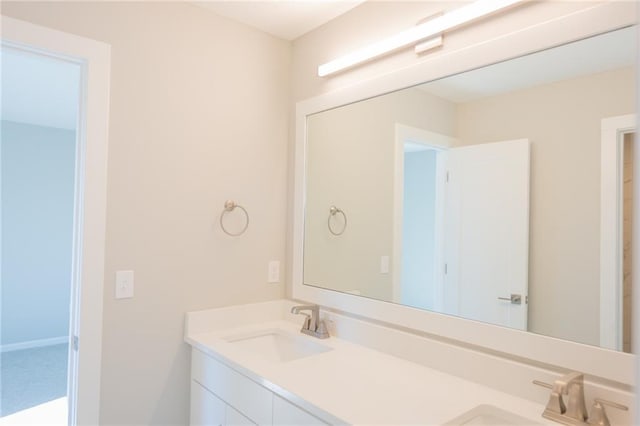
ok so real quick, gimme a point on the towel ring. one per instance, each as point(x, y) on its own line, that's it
point(229, 206)
point(333, 210)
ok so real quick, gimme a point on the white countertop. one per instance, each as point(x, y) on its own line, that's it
point(355, 384)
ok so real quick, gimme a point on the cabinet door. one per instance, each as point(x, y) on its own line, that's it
point(235, 389)
point(287, 414)
point(206, 408)
point(234, 417)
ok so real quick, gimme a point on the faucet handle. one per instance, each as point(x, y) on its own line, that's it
point(543, 384)
point(598, 414)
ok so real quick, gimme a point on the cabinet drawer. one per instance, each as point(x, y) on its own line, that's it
point(235, 418)
point(241, 393)
point(206, 408)
point(287, 414)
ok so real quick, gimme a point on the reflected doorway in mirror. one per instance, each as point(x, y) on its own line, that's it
point(618, 134)
point(419, 180)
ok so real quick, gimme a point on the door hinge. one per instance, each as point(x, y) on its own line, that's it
point(447, 177)
point(445, 268)
point(75, 343)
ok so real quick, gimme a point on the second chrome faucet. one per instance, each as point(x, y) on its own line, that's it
point(575, 410)
point(313, 325)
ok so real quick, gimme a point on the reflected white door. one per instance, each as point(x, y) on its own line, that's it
point(487, 232)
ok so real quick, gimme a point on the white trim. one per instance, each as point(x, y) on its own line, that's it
point(601, 17)
point(90, 205)
point(613, 129)
point(30, 344)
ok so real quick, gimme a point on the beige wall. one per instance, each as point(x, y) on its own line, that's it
point(562, 121)
point(199, 110)
point(351, 163)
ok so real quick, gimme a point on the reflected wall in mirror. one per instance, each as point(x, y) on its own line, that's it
point(479, 195)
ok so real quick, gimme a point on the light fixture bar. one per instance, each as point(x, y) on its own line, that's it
point(436, 26)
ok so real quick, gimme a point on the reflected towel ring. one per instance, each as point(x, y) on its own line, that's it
point(229, 206)
point(333, 210)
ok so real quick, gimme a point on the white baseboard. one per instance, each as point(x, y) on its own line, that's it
point(34, 344)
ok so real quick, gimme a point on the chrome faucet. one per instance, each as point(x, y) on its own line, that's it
point(575, 410)
point(572, 385)
point(313, 325)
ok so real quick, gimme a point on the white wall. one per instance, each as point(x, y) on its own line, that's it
point(199, 110)
point(562, 121)
point(353, 167)
point(38, 165)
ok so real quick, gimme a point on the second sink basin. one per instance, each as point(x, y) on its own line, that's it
point(277, 345)
point(489, 415)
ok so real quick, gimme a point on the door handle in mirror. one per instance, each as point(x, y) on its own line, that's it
point(515, 299)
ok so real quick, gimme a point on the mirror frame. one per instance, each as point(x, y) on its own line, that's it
point(592, 360)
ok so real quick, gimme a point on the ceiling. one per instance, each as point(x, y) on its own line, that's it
point(286, 19)
point(605, 52)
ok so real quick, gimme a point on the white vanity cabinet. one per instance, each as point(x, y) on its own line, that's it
point(285, 413)
point(222, 396)
point(206, 408)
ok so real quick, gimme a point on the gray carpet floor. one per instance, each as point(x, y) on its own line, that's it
point(31, 377)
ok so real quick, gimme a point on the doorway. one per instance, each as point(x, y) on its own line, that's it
point(616, 218)
point(81, 329)
point(419, 179)
point(40, 103)
point(627, 239)
point(421, 225)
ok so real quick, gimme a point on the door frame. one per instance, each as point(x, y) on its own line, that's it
point(435, 141)
point(613, 130)
point(87, 273)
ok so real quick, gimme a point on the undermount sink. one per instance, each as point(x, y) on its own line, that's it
point(489, 415)
point(277, 345)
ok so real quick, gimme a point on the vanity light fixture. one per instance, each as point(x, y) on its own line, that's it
point(432, 28)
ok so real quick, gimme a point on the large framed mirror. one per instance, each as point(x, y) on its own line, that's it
point(497, 196)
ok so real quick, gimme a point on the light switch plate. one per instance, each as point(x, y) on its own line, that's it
point(124, 284)
point(384, 264)
point(274, 272)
